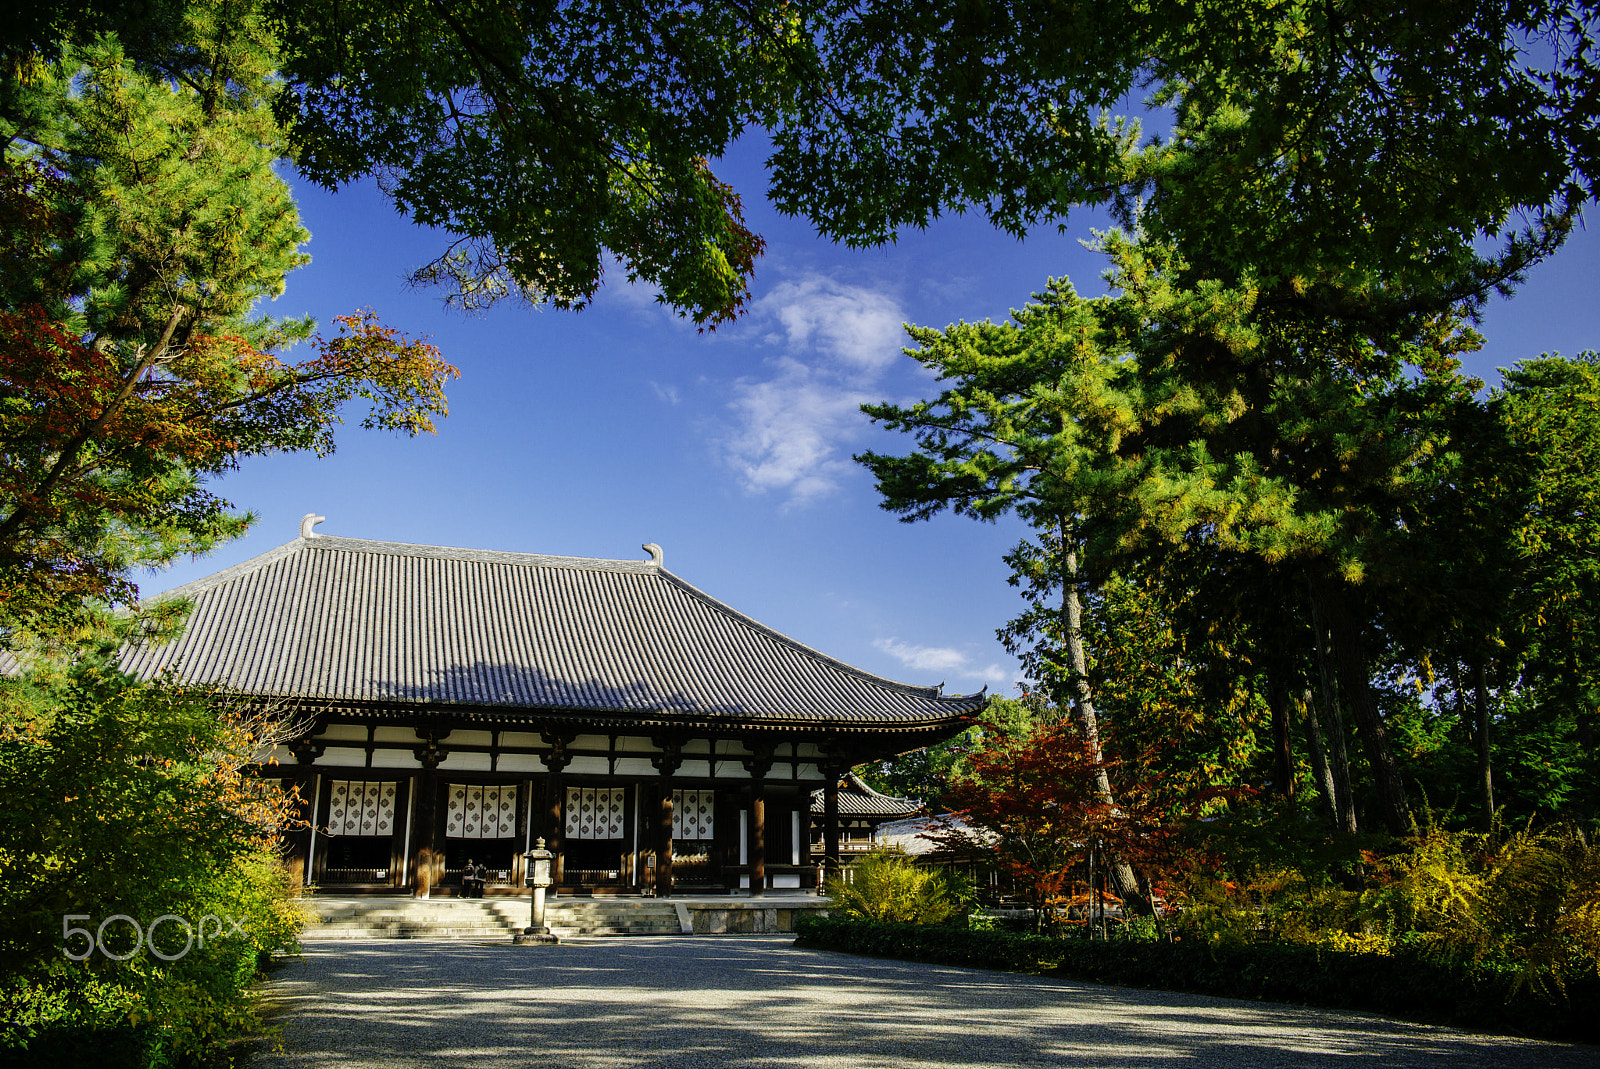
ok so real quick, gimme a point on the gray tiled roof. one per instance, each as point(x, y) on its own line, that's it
point(856, 799)
point(346, 620)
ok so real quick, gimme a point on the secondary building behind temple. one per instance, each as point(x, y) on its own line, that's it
point(459, 704)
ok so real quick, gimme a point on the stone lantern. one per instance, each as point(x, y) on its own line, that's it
point(538, 870)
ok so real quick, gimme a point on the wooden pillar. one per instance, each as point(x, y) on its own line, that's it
point(555, 795)
point(807, 859)
point(400, 844)
point(630, 845)
point(427, 860)
point(758, 837)
point(830, 823)
point(666, 762)
point(664, 841)
point(525, 820)
point(758, 764)
point(297, 844)
point(555, 789)
point(426, 786)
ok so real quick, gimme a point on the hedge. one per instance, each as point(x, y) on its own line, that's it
point(1472, 996)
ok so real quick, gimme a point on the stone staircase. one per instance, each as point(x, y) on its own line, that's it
point(484, 918)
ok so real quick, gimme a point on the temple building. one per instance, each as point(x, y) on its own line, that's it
point(860, 811)
point(455, 704)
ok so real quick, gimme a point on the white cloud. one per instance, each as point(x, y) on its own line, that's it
point(944, 659)
point(923, 658)
point(667, 393)
point(862, 328)
point(995, 675)
point(791, 431)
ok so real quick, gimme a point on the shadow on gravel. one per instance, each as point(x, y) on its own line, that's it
point(753, 1001)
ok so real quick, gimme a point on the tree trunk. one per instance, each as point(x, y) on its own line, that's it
point(1338, 757)
point(1467, 720)
point(1319, 759)
point(1351, 664)
point(1480, 688)
point(1282, 741)
point(1083, 702)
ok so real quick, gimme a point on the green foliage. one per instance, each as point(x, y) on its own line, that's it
point(144, 219)
point(546, 138)
point(885, 886)
point(1523, 904)
point(120, 797)
point(1478, 996)
point(1320, 148)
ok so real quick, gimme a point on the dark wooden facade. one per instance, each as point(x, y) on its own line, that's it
point(716, 826)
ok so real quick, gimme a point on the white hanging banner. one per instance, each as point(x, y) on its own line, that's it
point(474, 812)
point(503, 818)
point(594, 812)
point(455, 810)
point(692, 814)
point(361, 807)
point(338, 803)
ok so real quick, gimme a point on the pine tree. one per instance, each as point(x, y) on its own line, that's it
point(144, 221)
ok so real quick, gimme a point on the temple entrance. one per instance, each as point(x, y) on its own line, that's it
point(595, 850)
point(361, 848)
point(481, 825)
point(694, 839)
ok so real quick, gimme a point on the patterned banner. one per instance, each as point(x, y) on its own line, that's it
point(594, 812)
point(474, 812)
point(361, 807)
point(692, 813)
point(502, 814)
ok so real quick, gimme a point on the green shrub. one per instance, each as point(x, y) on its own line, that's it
point(1480, 996)
point(1527, 901)
point(888, 887)
point(120, 797)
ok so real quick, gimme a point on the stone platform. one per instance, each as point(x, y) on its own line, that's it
point(404, 917)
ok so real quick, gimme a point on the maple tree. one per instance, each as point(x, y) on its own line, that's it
point(144, 220)
point(1035, 796)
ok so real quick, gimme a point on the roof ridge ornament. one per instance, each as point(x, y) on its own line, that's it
point(656, 556)
point(308, 521)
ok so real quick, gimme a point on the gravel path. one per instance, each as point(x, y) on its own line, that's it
point(756, 1001)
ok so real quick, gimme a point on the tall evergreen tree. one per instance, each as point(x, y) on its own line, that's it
point(144, 221)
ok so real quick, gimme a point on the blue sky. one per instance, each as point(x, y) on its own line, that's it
point(586, 434)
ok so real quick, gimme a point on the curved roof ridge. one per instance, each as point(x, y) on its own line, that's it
point(403, 549)
point(935, 693)
point(857, 798)
point(859, 784)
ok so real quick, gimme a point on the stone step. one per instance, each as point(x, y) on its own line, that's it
point(417, 932)
point(487, 919)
